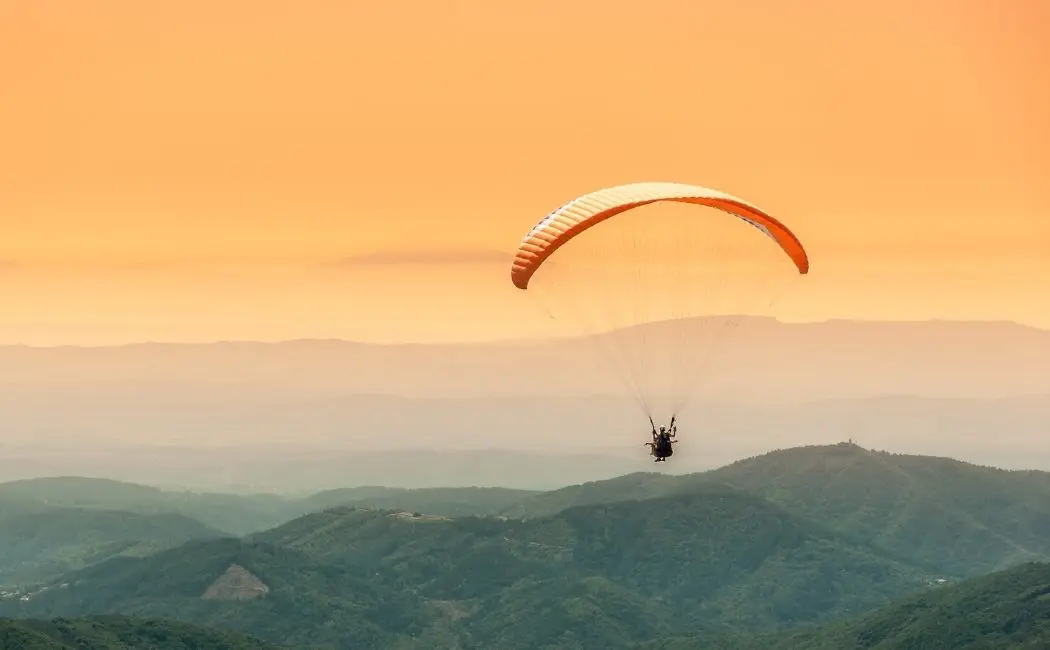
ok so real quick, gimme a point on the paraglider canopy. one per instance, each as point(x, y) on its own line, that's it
point(582, 213)
point(658, 289)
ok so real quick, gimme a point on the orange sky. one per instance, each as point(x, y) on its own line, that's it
point(187, 170)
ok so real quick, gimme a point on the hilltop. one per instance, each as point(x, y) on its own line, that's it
point(953, 517)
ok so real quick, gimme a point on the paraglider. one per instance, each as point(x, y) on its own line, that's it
point(662, 446)
point(656, 272)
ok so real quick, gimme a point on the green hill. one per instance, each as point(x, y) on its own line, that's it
point(118, 633)
point(241, 515)
point(232, 514)
point(586, 578)
point(801, 537)
point(277, 594)
point(954, 517)
point(55, 525)
point(40, 543)
point(1008, 610)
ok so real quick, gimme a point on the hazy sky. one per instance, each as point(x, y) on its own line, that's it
point(190, 170)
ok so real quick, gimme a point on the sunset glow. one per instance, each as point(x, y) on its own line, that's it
point(198, 170)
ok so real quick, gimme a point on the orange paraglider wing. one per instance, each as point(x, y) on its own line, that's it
point(583, 212)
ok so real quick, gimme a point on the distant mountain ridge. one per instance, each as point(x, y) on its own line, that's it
point(840, 358)
point(212, 410)
point(266, 444)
